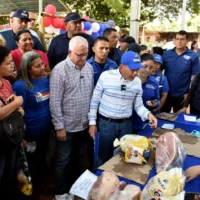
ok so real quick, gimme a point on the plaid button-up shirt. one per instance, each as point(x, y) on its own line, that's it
point(70, 93)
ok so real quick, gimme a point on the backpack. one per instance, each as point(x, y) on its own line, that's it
point(12, 130)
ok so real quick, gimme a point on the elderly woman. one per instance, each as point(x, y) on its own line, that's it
point(7, 158)
point(34, 88)
point(25, 43)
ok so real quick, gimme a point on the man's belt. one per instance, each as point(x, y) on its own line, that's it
point(114, 120)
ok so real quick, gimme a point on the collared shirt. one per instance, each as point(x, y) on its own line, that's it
point(179, 69)
point(71, 90)
point(115, 55)
point(109, 64)
point(162, 81)
point(58, 49)
point(11, 43)
point(114, 97)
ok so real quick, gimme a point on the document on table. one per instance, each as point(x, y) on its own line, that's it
point(168, 126)
point(190, 118)
point(83, 185)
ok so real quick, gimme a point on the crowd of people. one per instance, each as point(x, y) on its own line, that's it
point(82, 85)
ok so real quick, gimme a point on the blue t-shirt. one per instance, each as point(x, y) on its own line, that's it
point(36, 106)
point(11, 43)
point(162, 81)
point(109, 64)
point(150, 92)
point(115, 55)
point(179, 69)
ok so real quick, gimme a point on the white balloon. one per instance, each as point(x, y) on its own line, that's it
point(82, 26)
point(95, 27)
point(49, 29)
point(117, 28)
point(89, 32)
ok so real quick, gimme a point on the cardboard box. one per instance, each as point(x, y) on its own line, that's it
point(187, 123)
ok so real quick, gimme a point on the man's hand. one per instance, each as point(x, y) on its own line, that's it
point(153, 121)
point(184, 98)
point(192, 173)
point(92, 131)
point(183, 110)
point(61, 135)
point(21, 110)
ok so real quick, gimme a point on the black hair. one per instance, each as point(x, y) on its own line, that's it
point(4, 52)
point(17, 36)
point(157, 50)
point(192, 44)
point(101, 38)
point(108, 31)
point(182, 32)
point(146, 56)
point(143, 47)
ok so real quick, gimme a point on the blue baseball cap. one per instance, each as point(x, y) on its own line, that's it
point(73, 16)
point(132, 60)
point(158, 58)
point(21, 14)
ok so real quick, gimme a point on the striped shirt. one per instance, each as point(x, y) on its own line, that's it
point(70, 94)
point(112, 102)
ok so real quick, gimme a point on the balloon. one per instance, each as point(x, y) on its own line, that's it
point(49, 29)
point(57, 23)
point(63, 27)
point(100, 33)
point(117, 28)
point(101, 28)
point(106, 26)
point(89, 32)
point(95, 27)
point(95, 35)
point(111, 22)
point(62, 31)
point(51, 9)
point(83, 31)
point(47, 21)
point(86, 17)
point(87, 26)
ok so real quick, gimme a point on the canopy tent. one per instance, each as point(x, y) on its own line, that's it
point(31, 5)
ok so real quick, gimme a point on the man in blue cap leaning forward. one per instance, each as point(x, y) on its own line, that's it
point(113, 98)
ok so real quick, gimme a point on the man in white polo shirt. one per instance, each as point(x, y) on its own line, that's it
point(116, 94)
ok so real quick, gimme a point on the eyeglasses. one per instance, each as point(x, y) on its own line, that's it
point(81, 55)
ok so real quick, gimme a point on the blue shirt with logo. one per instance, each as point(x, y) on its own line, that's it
point(179, 70)
point(36, 106)
point(150, 92)
point(162, 81)
point(9, 36)
point(109, 64)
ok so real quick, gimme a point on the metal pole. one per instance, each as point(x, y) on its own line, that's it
point(135, 19)
point(183, 14)
point(41, 28)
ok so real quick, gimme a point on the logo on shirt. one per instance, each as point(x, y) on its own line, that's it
point(42, 96)
point(186, 57)
point(150, 86)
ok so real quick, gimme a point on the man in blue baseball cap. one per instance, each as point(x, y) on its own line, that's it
point(116, 93)
point(19, 21)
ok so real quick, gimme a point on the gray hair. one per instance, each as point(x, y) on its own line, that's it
point(77, 41)
point(25, 66)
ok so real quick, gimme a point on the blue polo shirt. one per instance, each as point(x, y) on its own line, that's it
point(115, 55)
point(150, 92)
point(11, 43)
point(162, 82)
point(179, 69)
point(58, 49)
point(109, 64)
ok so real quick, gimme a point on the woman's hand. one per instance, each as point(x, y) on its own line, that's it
point(192, 173)
point(183, 110)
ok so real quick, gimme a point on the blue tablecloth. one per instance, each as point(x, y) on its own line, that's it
point(192, 186)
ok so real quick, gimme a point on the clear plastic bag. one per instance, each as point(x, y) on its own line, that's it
point(167, 185)
point(170, 152)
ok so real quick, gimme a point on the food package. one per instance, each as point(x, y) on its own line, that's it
point(136, 155)
point(170, 152)
point(104, 187)
point(167, 185)
point(136, 148)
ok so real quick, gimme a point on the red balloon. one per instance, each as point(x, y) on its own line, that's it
point(47, 21)
point(86, 17)
point(63, 27)
point(57, 23)
point(50, 9)
point(83, 31)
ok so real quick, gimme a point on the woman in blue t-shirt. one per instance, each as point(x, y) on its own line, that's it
point(34, 88)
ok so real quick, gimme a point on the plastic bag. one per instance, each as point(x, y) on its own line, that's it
point(167, 185)
point(170, 152)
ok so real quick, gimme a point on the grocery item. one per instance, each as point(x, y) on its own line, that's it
point(167, 185)
point(105, 185)
point(170, 152)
